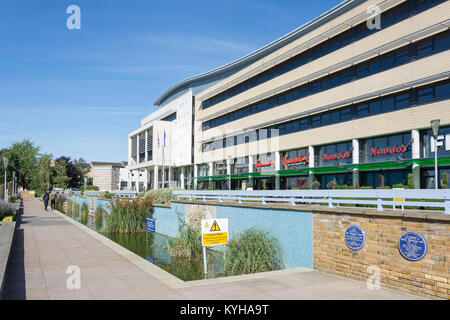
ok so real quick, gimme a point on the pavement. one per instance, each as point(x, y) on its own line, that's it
point(47, 243)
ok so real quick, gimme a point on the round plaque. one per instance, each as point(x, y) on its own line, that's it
point(354, 237)
point(412, 245)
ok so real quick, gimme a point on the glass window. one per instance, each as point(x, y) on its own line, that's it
point(315, 121)
point(401, 12)
point(402, 101)
point(335, 117)
point(374, 66)
point(401, 56)
point(388, 104)
point(425, 95)
point(442, 42)
point(362, 70)
point(375, 107)
point(362, 110)
point(326, 119)
point(346, 76)
point(346, 114)
point(315, 86)
point(424, 48)
point(443, 91)
point(303, 124)
point(387, 62)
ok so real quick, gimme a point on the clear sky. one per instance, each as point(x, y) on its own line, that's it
point(79, 93)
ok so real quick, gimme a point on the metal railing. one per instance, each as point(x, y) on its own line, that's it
point(417, 198)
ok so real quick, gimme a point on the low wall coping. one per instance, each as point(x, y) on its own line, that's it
point(398, 213)
point(6, 237)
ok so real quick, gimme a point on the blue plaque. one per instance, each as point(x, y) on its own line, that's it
point(412, 245)
point(354, 237)
point(151, 224)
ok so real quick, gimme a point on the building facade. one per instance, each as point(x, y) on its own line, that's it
point(346, 99)
point(109, 176)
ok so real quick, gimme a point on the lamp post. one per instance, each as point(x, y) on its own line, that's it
point(5, 165)
point(435, 130)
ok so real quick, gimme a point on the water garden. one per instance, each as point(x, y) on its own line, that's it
point(123, 220)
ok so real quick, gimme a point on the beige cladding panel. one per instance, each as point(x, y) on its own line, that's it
point(314, 33)
point(404, 28)
point(422, 68)
point(379, 125)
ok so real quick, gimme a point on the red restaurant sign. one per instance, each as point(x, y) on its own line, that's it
point(395, 149)
point(264, 164)
point(297, 159)
point(341, 155)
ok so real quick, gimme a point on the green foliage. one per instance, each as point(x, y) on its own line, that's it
point(188, 245)
point(444, 182)
point(61, 180)
point(332, 184)
point(99, 215)
point(69, 207)
point(129, 216)
point(43, 174)
point(410, 181)
point(76, 210)
point(163, 196)
point(365, 187)
point(398, 185)
point(253, 251)
point(13, 199)
point(59, 203)
point(89, 188)
point(107, 195)
point(84, 213)
point(315, 185)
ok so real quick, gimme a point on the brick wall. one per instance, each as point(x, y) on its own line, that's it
point(428, 276)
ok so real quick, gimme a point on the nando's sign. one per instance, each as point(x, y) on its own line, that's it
point(337, 156)
point(375, 151)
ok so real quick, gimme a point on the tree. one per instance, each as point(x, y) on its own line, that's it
point(83, 169)
point(42, 177)
point(61, 180)
point(22, 158)
point(74, 170)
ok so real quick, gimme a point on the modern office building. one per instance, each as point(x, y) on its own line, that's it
point(342, 98)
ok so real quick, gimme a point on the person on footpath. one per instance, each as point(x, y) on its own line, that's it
point(53, 201)
point(46, 197)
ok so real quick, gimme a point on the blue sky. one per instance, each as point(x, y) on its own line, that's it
point(80, 92)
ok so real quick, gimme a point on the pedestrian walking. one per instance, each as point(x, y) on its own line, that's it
point(46, 197)
point(53, 201)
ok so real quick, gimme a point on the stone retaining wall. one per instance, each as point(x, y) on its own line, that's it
point(428, 276)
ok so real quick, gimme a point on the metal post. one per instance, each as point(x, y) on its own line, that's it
point(436, 174)
point(204, 262)
point(5, 165)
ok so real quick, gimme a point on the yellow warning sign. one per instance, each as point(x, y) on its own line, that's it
point(215, 226)
point(214, 231)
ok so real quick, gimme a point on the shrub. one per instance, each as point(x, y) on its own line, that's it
point(13, 199)
point(365, 187)
point(129, 216)
point(253, 251)
point(6, 209)
point(410, 181)
point(315, 185)
point(107, 195)
point(163, 196)
point(59, 203)
point(444, 182)
point(399, 185)
point(332, 184)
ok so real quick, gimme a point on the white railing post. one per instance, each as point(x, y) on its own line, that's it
point(447, 206)
point(263, 200)
point(379, 203)
point(292, 202)
point(330, 202)
point(239, 198)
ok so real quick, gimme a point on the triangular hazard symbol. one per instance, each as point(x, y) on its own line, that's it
point(215, 227)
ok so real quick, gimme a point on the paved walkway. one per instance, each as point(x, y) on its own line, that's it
point(46, 243)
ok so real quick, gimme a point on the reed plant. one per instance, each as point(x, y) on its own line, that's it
point(84, 213)
point(188, 244)
point(76, 210)
point(99, 215)
point(59, 203)
point(129, 216)
point(69, 207)
point(253, 251)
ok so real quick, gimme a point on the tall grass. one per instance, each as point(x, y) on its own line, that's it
point(84, 213)
point(69, 207)
point(99, 215)
point(59, 203)
point(189, 243)
point(129, 217)
point(76, 210)
point(253, 251)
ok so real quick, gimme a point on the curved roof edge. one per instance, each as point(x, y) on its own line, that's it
point(344, 6)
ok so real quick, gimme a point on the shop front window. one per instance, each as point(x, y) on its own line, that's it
point(295, 159)
point(428, 143)
point(334, 154)
point(264, 162)
point(386, 148)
